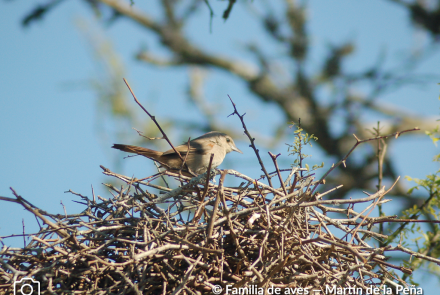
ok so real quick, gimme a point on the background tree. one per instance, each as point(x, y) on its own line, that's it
point(298, 96)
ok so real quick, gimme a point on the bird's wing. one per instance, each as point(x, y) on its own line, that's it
point(197, 146)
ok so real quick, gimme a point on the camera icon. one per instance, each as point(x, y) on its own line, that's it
point(26, 286)
point(217, 289)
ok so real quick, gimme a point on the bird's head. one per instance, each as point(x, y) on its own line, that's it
point(221, 139)
point(229, 143)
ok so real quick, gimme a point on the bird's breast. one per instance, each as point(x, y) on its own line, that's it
point(200, 162)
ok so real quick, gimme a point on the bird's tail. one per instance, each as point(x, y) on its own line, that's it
point(154, 155)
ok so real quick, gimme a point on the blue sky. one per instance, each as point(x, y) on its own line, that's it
point(50, 141)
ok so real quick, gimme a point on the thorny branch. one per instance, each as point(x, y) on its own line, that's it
point(358, 142)
point(251, 140)
point(153, 118)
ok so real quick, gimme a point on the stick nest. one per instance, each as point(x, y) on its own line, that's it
point(198, 237)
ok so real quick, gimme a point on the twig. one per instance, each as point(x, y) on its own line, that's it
point(211, 222)
point(251, 140)
point(24, 234)
point(358, 142)
point(184, 159)
point(372, 208)
point(274, 159)
point(149, 138)
point(205, 191)
point(154, 120)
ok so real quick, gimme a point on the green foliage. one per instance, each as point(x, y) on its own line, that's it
point(427, 242)
point(431, 206)
point(301, 139)
point(433, 135)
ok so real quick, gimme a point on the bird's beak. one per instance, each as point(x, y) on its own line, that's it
point(234, 148)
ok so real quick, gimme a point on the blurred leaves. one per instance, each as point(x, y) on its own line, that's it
point(39, 11)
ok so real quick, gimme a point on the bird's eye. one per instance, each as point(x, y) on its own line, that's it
point(228, 140)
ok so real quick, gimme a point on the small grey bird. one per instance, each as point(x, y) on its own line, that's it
point(200, 151)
